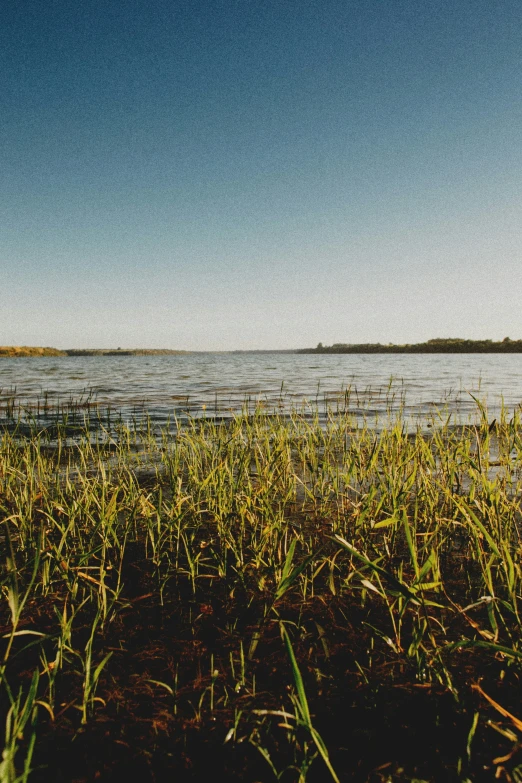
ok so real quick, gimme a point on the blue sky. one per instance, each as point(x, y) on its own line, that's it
point(240, 174)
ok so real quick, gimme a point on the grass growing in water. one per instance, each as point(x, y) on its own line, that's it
point(273, 597)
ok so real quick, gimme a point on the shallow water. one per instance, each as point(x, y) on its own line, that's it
point(220, 384)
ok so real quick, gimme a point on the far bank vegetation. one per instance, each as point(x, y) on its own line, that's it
point(437, 345)
point(24, 350)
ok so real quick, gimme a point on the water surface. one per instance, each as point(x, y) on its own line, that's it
point(220, 384)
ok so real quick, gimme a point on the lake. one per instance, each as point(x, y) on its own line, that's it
point(207, 384)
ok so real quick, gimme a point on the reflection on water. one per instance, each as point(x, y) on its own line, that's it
point(221, 384)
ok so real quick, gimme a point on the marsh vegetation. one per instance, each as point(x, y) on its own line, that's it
point(274, 597)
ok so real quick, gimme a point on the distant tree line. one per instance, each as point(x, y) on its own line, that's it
point(25, 350)
point(121, 352)
point(437, 345)
point(9, 351)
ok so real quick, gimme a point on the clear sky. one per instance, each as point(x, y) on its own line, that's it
point(220, 174)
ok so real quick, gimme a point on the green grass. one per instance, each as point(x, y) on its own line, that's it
point(272, 597)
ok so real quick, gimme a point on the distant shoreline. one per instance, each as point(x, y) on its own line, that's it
point(436, 346)
point(430, 347)
point(14, 351)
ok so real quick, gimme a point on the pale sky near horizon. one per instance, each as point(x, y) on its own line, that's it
point(233, 174)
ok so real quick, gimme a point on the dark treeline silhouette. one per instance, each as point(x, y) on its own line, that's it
point(122, 352)
point(437, 345)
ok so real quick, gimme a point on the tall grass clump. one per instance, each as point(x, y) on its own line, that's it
point(277, 596)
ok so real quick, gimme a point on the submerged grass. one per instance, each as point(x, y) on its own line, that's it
point(272, 597)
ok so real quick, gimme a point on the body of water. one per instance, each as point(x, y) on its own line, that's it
point(221, 384)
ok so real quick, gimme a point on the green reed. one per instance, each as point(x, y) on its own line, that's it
point(417, 530)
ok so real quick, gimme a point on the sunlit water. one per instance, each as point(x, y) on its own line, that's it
point(169, 387)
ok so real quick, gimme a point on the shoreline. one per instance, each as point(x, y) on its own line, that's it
point(435, 346)
point(10, 351)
